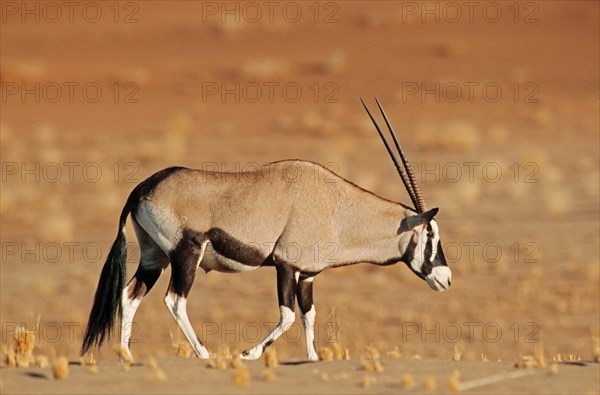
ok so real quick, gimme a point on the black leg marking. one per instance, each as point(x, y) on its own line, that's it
point(184, 262)
point(286, 285)
point(305, 294)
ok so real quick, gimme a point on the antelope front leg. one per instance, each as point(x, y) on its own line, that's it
point(308, 313)
point(286, 291)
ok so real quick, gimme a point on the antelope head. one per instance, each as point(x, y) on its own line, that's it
point(420, 244)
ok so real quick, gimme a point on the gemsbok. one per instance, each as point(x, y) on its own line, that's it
point(240, 221)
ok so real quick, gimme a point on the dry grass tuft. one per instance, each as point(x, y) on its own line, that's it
point(24, 345)
point(372, 353)
point(89, 360)
point(430, 384)
point(60, 368)
point(236, 362)
point(41, 361)
point(241, 377)
point(366, 365)
point(526, 362)
point(367, 381)
point(326, 354)
point(394, 354)
point(182, 347)
point(340, 353)
point(407, 381)
point(271, 360)
point(454, 381)
point(157, 373)
point(539, 356)
point(152, 364)
point(457, 354)
point(10, 357)
point(269, 375)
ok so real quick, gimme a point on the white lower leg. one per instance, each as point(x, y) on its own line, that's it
point(308, 320)
point(286, 319)
point(177, 307)
point(129, 307)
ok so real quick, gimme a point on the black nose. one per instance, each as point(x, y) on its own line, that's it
point(449, 282)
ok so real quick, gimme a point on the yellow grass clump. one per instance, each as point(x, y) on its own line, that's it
point(457, 354)
point(539, 356)
point(372, 353)
point(241, 377)
point(407, 381)
point(430, 384)
point(182, 347)
point(394, 354)
point(271, 360)
point(236, 361)
point(41, 361)
point(326, 354)
point(157, 373)
point(89, 359)
point(23, 347)
point(367, 380)
point(340, 353)
point(454, 381)
point(60, 368)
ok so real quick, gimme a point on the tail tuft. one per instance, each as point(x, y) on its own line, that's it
point(107, 302)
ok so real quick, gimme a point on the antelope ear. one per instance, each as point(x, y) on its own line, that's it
point(409, 223)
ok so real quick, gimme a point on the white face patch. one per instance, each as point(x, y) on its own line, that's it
point(421, 238)
point(436, 238)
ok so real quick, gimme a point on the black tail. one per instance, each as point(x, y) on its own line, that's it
point(107, 302)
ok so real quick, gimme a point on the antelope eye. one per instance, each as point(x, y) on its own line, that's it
point(430, 235)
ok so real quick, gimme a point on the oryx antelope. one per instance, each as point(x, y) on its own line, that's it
point(236, 222)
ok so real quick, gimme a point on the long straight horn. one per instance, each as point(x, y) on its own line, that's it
point(421, 205)
point(403, 176)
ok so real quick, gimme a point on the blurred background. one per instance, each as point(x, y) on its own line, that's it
point(496, 103)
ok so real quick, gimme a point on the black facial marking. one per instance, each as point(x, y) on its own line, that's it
point(234, 249)
point(440, 258)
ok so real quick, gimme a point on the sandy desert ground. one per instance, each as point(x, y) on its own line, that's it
point(496, 103)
